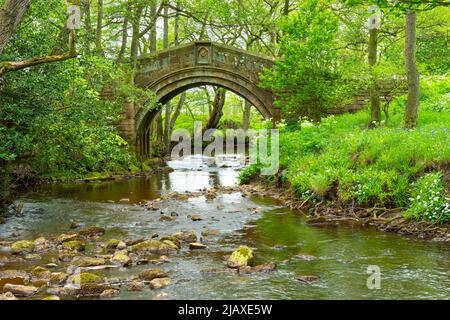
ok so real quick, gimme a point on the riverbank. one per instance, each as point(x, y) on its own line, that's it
point(322, 213)
point(395, 179)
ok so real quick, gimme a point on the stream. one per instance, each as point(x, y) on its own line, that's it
point(339, 255)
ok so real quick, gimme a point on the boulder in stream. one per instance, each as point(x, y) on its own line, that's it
point(75, 245)
point(121, 258)
point(153, 246)
point(186, 236)
point(91, 231)
point(159, 283)
point(149, 275)
point(82, 261)
point(197, 246)
point(20, 290)
point(241, 257)
point(23, 246)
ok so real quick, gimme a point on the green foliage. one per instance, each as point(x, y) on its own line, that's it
point(428, 201)
point(308, 78)
point(339, 158)
point(249, 173)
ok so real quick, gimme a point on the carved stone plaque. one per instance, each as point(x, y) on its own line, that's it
point(203, 55)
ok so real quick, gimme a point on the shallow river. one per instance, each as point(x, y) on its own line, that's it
point(409, 268)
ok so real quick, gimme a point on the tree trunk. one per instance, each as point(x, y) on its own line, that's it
point(153, 33)
point(412, 106)
point(123, 46)
point(11, 14)
point(217, 112)
point(137, 14)
point(246, 119)
point(88, 25)
point(98, 35)
point(375, 104)
point(286, 7)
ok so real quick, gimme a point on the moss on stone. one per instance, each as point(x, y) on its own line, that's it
point(241, 257)
point(23, 246)
point(75, 245)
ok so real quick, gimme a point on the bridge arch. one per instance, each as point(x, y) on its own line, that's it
point(173, 71)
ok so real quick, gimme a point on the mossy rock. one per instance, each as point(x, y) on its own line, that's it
point(88, 262)
point(171, 244)
point(40, 271)
point(112, 244)
point(153, 246)
point(186, 236)
point(149, 275)
point(121, 258)
point(66, 237)
point(173, 240)
point(241, 257)
point(75, 245)
point(91, 231)
point(58, 277)
point(85, 278)
point(23, 246)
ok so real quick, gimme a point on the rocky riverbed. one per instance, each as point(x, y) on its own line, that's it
point(193, 234)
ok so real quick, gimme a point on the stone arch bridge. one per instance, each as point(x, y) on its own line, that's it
point(175, 70)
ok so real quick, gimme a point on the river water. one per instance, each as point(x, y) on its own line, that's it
point(410, 268)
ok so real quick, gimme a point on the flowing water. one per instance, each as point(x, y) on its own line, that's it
point(410, 269)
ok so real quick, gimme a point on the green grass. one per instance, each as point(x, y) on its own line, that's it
point(341, 160)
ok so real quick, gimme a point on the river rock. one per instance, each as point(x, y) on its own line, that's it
point(196, 246)
point(66, 237)
point(112, 244)
point(220, 271)
point(40, 276)
point(121, 258)
point(8, 296)
point(42, 245)
point(308, 279)
point(81, 261)
point(23, 246)
point(267, 267)
point(186, 236)
point(172, 239)
point(20, 290)
point(66, 256)
point(75, 225)
point(153, 246)
point(13, 277)
point(210, 233)
point(121, 245)
point(305, 257)
point(136, 286)
point(91, 290)
point(33, 257)
point(195, 217)
point(149, 275)
point(159, 283)
point(166, 218)
point(75, 245)
point(91, 231)
point(241, 257)
point(57, 278)
point(109, 293)
point(84, 278)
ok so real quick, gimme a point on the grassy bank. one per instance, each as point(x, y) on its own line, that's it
point(340, 161)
